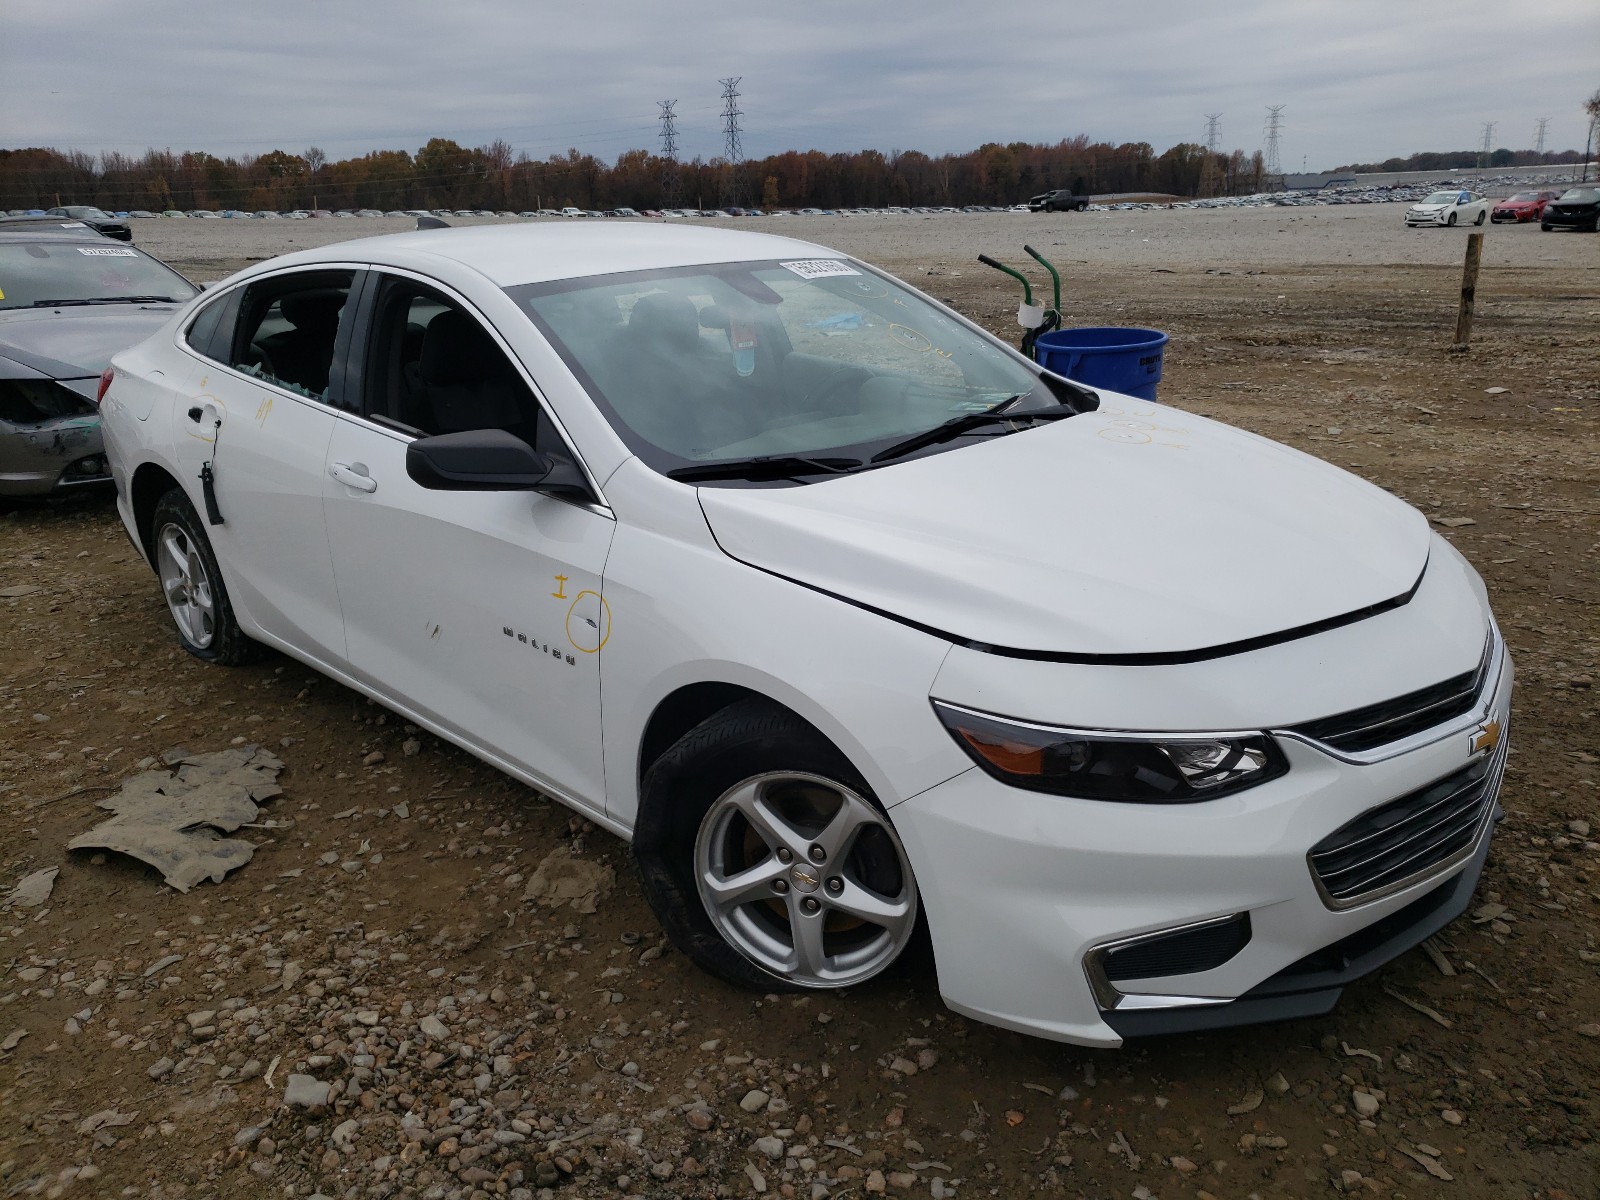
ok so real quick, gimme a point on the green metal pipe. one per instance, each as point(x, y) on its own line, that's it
point(1054, 274)
point(1027, 288)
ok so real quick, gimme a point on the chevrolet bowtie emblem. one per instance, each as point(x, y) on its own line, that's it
point(1486, 737)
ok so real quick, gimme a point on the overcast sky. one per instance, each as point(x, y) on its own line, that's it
point(1360, 80)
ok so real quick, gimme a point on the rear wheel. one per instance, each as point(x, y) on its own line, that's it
point(766, 858)
point(191, 584)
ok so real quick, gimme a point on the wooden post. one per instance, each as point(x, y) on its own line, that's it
point(1469, 288)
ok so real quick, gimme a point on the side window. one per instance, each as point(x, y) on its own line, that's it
point(288, 327)
point(202, 331)
point(433, 368)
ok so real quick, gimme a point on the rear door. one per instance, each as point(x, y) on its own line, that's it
point(259, 413)
point(480, 612)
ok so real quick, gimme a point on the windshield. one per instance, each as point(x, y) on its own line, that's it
point(1443, 198)
point(37, 273)
point(1581, 195)
point(727, 362)
point(1523, 198)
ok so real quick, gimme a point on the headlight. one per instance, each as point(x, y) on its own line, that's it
point(1098, 765)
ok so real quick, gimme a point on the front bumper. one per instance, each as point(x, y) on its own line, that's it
point(1024, 892)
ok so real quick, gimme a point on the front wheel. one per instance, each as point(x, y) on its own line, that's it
point(191, 583)
point(1452, 219)
point(1479, 221)
point(766, 858)
point(1545, 226)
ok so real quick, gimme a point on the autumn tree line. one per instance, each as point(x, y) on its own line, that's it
point(443, 174)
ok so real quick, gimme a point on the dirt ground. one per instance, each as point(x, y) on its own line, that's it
point(478, 1043)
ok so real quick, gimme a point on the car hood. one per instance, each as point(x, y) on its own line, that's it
point(75, 343)
point(1429, 208)
point(1136, 530)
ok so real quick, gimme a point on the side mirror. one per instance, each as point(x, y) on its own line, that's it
point(489, 460)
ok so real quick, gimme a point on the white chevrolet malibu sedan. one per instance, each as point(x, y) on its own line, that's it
point(862, 628)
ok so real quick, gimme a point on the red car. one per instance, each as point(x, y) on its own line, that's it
point(1524, 206)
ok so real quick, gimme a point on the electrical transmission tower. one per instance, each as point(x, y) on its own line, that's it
point(1208, 168)
point(670, 182)
point(1538, 137)
point(1274, 132)
point(1488, 145)
point(733, 152)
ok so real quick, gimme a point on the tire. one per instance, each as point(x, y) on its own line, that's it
point(1545, 226)
point(191, 584)
point(1452, 219)
point(755, 791)
point(1479, 221)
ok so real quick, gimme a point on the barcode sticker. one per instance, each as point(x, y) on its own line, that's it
point(108, 252)
point(819, 268)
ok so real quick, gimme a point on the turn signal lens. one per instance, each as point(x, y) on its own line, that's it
point(106, 377)
point(1097, 765)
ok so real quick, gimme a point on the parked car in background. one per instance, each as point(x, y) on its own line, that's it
point(1524, 206)
point(96, 219)
point(69, 300)
point(1057, 201)
point(688, 529)
point(1452, 207)
point(1576, 208)
point(141, 213)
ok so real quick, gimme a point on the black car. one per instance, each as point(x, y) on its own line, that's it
point(96, 219)
point(69, 300)
point(1578, 207)
point(1058, 201)
point(62, 219)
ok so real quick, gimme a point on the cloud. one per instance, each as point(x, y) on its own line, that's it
point(1361, 79)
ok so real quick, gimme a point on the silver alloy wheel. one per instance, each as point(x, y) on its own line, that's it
point(186, 586)
point(806, 879)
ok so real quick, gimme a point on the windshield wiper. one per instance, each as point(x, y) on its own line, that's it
point(776, 466)
point(966, 422)
point(107, 300)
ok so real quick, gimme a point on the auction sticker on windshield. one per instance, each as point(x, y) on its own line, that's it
point(819, 268)
point(108, 252)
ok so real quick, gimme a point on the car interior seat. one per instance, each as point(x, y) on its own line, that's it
point(303, 354)
point(467, 382)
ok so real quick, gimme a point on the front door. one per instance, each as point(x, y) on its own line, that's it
point(478, 611)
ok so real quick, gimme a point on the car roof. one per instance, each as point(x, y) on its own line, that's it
point(509, 255)
point(52, 232)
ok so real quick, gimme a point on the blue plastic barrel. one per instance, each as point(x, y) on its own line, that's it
point(1117, 358)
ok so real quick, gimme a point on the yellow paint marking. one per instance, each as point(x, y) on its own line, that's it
point(561, 587)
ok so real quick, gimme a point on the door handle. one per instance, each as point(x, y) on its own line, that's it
point(353, 475)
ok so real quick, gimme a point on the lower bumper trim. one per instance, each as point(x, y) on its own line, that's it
point(1312, 986)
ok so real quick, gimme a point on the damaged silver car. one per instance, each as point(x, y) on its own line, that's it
point(69, 300)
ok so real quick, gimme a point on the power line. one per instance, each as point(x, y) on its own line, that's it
point(1273, 132)
point(1538, 137)
point(1487, 147)
point(733, 152)
point(1213, 135)
point(669, 153)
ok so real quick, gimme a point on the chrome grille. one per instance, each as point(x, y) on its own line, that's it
point(1390, 720)
point(1394, 845)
